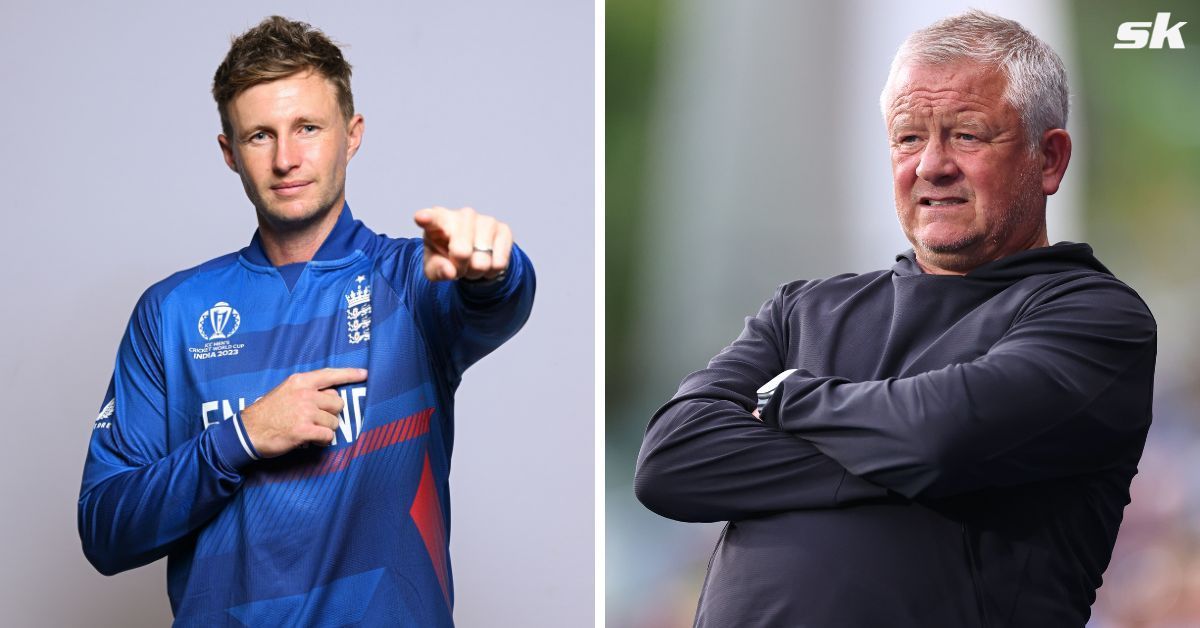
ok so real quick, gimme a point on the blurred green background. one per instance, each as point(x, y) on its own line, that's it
point(744, 148)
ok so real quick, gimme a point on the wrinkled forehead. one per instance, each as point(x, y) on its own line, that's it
point(922, 90)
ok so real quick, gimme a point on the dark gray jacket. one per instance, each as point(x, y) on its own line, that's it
point(955, 451)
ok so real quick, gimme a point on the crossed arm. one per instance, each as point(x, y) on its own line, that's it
point(1061, 393)
point(705, 457)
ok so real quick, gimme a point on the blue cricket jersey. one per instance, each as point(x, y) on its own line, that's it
point(353, 533)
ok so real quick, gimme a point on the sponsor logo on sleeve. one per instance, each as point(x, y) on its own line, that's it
point(102, 420)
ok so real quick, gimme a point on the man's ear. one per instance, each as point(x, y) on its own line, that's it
point(354, 134)
point(227, 152)
point(1056, 153)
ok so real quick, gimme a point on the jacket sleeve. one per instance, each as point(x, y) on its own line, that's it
point(139, 497)
point(1065, 391)
point(465, 321)
point(705, 457)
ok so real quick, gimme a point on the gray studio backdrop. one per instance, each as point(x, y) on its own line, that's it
point(112, 180)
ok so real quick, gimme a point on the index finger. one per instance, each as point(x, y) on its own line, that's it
point(432, 218)
point(332, 377)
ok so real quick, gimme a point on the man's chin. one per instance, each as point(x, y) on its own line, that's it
point(950, 242)
point(953, 247)
point(293, 218)
point(954, 254)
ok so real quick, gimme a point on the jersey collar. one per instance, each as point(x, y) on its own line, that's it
point(348, 237)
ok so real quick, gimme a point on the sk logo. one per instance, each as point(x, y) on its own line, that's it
point(1135, 35)
point(214, 322)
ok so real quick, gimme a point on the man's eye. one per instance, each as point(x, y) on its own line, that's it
point(309, 128)
point(967, 136)
point(258, 137)
point(908, 139)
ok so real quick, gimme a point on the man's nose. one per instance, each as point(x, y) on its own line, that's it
point(287, 155)
point(937, 164)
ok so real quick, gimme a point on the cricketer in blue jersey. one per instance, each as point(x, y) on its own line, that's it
point(280, 419)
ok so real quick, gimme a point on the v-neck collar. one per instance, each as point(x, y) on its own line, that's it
point(348, 237)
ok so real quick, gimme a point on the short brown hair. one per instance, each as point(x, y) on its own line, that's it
point(278, 48)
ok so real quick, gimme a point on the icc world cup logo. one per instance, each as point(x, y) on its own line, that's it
point(215, 322)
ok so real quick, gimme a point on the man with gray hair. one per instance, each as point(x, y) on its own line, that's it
point(949, 442)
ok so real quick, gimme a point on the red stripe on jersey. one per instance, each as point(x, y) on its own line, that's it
point(426, 512)
point(374, 439)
